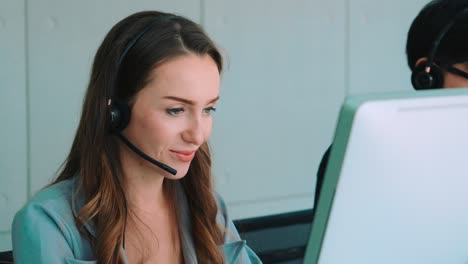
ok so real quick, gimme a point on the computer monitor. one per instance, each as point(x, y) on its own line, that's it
point(396, 185)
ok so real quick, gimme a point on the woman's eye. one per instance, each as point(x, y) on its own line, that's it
point(175, 111)
point(209, 110)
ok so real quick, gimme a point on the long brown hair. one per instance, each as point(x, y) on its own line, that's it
point(94, 155)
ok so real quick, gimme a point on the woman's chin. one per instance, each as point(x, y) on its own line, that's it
point(181, 173)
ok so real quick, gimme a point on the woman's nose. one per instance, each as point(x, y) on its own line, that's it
point(195, 131)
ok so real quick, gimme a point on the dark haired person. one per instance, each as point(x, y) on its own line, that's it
point(136, 186)
point(438, 43)
point(437, 54)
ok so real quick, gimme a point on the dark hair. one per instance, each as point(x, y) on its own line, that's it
point(94, 156)
point(428, 24)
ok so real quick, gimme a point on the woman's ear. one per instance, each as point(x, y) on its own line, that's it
point(420, 62)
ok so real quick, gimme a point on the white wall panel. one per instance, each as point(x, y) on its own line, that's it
point(377, 31)
point(279, 99)
point(13, 135)
point(5, 241)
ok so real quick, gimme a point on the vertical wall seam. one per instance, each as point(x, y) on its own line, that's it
point(27, 99)
point(202, 13)
point(347, 50)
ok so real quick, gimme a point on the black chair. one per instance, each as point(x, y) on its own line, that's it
point(280, 238)
point(6, 257)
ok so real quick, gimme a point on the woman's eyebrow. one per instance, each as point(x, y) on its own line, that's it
point(189, 102)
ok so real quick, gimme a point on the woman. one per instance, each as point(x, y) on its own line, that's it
point(137, 186)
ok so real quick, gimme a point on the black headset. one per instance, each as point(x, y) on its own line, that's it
point(427, 75)
point(120, 112)
point(119, 115)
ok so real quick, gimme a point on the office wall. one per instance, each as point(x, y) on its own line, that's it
point(13, 113)
point(289, 66)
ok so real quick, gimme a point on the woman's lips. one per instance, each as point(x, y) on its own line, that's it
point(184, 156)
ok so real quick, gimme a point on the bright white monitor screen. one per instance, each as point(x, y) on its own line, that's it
point(396, 186)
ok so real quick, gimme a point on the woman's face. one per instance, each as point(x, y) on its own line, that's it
point(172, 115)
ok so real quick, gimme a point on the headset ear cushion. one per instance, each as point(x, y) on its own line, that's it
point(120, 116)
point(438, 77)
point(421, 80)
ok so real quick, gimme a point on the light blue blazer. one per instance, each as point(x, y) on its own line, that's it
point(44, 230)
